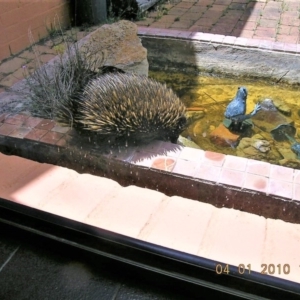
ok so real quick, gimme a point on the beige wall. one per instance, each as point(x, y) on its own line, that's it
point(17, 16)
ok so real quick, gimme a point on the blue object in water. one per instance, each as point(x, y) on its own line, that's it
point(236, 109)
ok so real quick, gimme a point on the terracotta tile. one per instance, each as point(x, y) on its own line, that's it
point(35, 134)
point(46, 124)
point(281, 173)
point(256, 183)
point(207, 37)
point(190, 16)
point(177, 11)
point(280, 188)
point(282, 246)
point(268, 45)
point(169, 32)
point(278, 46)
point(184, 34)
point(258, 167)
point(232, 177)
point(296, 192)
point(235, 163)
point(163, 163)
point(31, 122)
point(153, 31)
point(208, 172)
point(191, 154)
point(16, 119)
point(185, 167)
point(182, 25)
point(60, 129)
point(127, 211)
point(160, 26)
point(141, 158)
point(7, 129)
point(290, 48)
point(78, 197)
point(217, 38)
point(234, 237)
point(51, 137)
point(214, 158)
point(169, 149)
point(20, 132)
point(2, 117)
point(241, 41)
point(64, 141)
point(297, 176)
point(229, 40)
point(184, 5)
point(174, 224)
point(196, 35)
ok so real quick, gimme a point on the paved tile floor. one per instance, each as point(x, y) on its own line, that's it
point(274, 20)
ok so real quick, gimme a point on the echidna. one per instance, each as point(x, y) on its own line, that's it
point(129, 108)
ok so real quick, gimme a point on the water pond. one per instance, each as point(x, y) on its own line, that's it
point(206, 98)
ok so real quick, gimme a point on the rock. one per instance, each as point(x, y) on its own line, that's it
point(269, 118)
point(290, 163)
point(193, 116)
point(261, 145)
point(116, 45)
point(257, 148)
point(287, 153)
point(221, 136)
point(282, 107)
point(187, 143)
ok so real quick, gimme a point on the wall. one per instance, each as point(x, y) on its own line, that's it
point(19, 16)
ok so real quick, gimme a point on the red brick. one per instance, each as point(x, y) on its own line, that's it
point(3, 38)
point(7, 129)
point(46, 124)
point(12, 17)
point(265, 32)
point(16, 119)
point(20, 132)
point(19, 44)
point(7, 6)
point(51, 137)
point(31, 122)
point(232, 177)
point(214, 158)
point(15, 31)
point(35, 134)
point(163, 163)
point(4, 52)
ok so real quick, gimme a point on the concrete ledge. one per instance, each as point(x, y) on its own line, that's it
point(200, 53)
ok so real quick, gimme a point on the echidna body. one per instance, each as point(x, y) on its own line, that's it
point(130, 107)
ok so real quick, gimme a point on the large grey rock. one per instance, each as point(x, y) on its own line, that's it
point(116, 45)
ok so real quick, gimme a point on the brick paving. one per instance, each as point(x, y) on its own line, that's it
point(270, 24)
point(273, 20)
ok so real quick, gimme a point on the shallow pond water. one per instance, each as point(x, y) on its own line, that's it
point(210, 95)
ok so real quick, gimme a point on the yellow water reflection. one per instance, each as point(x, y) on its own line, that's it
point(212, 94)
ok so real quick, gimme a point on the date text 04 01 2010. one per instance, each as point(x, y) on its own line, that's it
point(266, 269)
